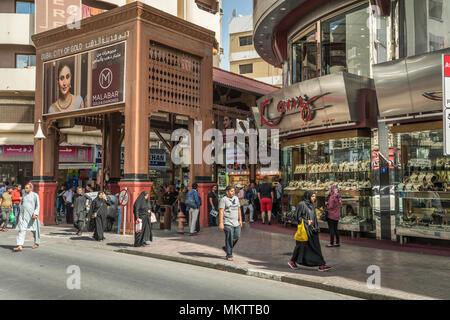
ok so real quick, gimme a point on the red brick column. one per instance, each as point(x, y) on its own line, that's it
point(203, 190)
point(47, 200)
point(134, 189)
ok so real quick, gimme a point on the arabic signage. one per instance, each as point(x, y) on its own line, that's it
point(91, 79)
point(315, 103)
point(446, 104)
point(51, 14)
point(67, 154)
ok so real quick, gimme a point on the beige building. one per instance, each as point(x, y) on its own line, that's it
point(243, 57)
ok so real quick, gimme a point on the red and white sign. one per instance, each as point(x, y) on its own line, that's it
point(446, 102)
point(123, 197)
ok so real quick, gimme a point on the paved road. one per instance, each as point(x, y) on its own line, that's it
point(42, 274)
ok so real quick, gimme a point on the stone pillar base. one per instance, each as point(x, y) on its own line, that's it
point(47, 199)
point(134, 188)
point(203, 190)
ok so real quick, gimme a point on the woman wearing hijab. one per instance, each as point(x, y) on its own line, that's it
point(98, 213)
point(334, 214)
point(308, 253)
point(141, 210)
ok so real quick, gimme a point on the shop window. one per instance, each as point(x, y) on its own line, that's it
point(304, 58)
point(422, 175)
point(345, 43)
point(26, 7)
point(424, 26)
point(343, 162)
point(246, 68)
point(25, 60)
point(245, 41)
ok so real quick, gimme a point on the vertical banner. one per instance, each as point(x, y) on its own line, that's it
point(446, 102)
point(50, 14)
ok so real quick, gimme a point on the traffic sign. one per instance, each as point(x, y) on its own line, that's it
point(123, 197)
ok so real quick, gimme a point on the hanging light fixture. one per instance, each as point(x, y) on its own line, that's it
point(39, 133)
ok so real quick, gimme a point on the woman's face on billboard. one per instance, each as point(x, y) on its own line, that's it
point(64, 79)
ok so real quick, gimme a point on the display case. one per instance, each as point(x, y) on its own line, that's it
point(318, 165)
point(422, 185)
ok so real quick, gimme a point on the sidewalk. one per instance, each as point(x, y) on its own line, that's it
point(264, 254)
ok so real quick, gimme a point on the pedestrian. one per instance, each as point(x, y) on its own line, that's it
point(254, 201)
point(98, 213)
point(265, 195)
point(170, 199)
point(213, 204)
point(242, 200)
point(278, 193)
point(230, 220)
point(2, 189)
point(68, 203)
point(6, 206)
point(141, 210)
point(28, 219)
point(81, 204)
point(249, 197)
point(16, 197)
point(193, 202)
point(334, 214)
point(308, 253)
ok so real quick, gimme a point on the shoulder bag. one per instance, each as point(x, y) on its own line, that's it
point(301, 234)
point(152, 217)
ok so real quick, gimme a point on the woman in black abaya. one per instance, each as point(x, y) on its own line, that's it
point(98, 213)
point(141, 210)
point(308, 253)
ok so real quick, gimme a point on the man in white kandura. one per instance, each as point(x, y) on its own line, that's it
point(28, 218)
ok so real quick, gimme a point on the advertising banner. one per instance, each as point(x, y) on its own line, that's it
point(67, 154)
point(55, 13)
point(446, 100)
point(86, 80)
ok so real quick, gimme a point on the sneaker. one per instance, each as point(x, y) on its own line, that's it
point(264, 222)
point(324, 268)
point(330, 245)
point(292, 265)
point(337, 245)
point(269, 223)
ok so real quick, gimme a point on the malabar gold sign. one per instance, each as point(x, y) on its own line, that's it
point(95, 78)
point(51, 14)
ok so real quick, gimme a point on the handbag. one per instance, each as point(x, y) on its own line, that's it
point(301, 234)
point(138, 225)
point(12, 218)
point(214, 213)
point(153, 217)
point(324, 216)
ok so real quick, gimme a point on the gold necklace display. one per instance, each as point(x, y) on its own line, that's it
point(65, 106)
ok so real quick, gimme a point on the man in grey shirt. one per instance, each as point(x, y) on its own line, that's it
point(230, 220)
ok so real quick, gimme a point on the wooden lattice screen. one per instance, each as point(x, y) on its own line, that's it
point(174, 80)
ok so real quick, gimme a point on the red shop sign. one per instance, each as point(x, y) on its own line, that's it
point(302, 104)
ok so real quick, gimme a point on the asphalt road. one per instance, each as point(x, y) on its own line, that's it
point(43, 274)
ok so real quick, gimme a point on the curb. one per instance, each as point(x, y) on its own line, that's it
point(268, 275)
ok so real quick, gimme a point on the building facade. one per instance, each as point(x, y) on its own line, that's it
point(18, 81)
point(243, 57)
point(361, 107)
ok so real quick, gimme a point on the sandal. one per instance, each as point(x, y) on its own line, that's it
point(330, 245)
point(230, 259)
point(35, 246)
point(17, 249)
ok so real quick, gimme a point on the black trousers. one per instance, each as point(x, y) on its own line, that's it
point(333, 227)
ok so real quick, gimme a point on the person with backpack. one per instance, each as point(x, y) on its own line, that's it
point(193, 202)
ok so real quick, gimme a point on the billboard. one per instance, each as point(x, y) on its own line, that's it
point(95, 78)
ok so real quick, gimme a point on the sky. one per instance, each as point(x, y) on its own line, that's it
point(243, 7)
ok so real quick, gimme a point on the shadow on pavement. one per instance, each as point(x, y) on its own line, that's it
point(117, 244)
point(83, 238)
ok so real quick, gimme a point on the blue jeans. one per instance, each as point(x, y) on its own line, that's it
point(232, 235)
point(16, 214)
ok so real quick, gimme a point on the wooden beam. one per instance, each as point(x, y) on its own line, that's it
point(162, 139)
